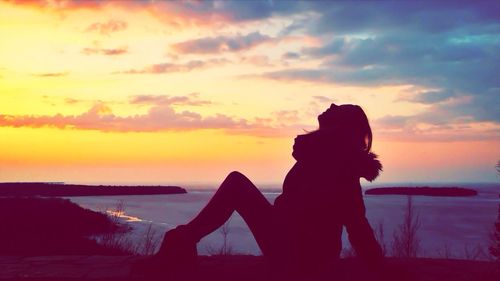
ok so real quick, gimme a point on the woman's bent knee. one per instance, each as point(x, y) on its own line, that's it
point(238, 181)
point(236, 176)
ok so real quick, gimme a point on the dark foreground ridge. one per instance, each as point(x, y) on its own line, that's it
point(61, 189)
point(424, 190)
point(240, 268)
point(36, 226)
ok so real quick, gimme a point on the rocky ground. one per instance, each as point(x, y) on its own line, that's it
point(234, 268)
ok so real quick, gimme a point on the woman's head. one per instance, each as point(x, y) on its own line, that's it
point(341, 129)
point(348, 120)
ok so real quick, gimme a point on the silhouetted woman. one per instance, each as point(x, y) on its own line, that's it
point(321, 194)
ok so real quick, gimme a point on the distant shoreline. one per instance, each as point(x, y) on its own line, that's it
point(423, 191)
point(69, 190)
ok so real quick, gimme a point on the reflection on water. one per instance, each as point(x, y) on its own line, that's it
point(122, 215)
point(453, 225)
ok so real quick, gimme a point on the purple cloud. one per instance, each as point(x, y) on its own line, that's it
point(100, 117)
point(106, 28)
point(221, 44)
point(161, 117)
point(51, 74)
point(191, 99)
point(104, 51)
point(176, 67)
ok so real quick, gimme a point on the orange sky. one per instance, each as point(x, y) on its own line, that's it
point(161, 93)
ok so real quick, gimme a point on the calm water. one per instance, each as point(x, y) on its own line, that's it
point(458, 224)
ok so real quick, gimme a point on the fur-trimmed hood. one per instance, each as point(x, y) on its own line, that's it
point(336, 153)
point(369, 166)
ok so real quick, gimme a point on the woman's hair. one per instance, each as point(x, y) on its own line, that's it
point(350, 122)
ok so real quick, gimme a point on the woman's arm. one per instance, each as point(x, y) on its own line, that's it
point(359, 231)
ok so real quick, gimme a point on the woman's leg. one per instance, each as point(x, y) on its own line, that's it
point(237, 193)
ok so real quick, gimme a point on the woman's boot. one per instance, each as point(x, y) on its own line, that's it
point(177, 256)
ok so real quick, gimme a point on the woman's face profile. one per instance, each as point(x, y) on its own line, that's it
point(327, 118)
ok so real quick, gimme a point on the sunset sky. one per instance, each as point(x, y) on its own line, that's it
point(173, 92)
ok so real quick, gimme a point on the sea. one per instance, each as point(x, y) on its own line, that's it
point(449, 227)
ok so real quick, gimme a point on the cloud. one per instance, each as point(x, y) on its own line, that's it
point(457, 118)
point(107, 28)
point(176, 67)
point(51, 74)
point(407, 128)
point(197, 11)
point(192, 100)
point(257, 60)
point(290, 56)
point(162, 117)
point(59, 4)
point(338, 17)
point(222, 12)
point(176, 14)
point(242, 11)
point(448, 50)
point(71, 101)
point(451, 69)
point(455, 57)
point(220, 44)
point(104, 51)
point(286, 116)
point(421, 16)
point(392, 60)
point(393, 121)
point(322, 99)
point(428, 97)
point(101, 118)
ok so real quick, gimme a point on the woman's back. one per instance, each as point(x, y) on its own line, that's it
point(321, 194)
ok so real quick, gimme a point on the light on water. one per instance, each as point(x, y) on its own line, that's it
point(122, 215)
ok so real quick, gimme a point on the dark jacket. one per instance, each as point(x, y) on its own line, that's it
point(321, 194)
